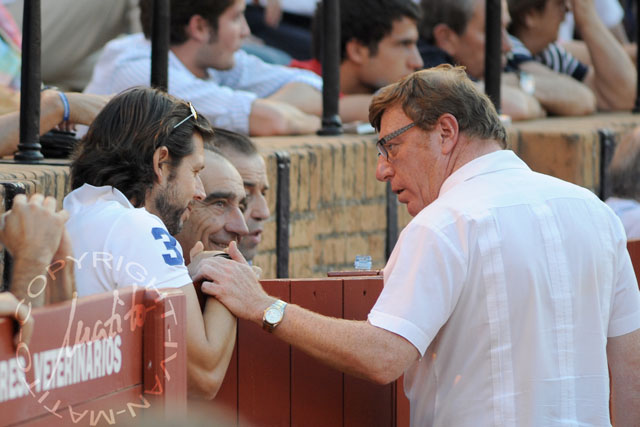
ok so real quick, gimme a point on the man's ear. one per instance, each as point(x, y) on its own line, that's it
point(445, 38)
point(449, 132)
point(199, 29)
point(356, 52)
point(161, 163)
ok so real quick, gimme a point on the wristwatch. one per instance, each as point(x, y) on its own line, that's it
point(273, 315)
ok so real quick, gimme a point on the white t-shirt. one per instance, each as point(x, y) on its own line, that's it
point(116, 245)
point(629, 212)
point(509, 284)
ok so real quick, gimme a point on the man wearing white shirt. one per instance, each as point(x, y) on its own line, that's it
point(507, 299)
point(134, 179)
point(234, 90)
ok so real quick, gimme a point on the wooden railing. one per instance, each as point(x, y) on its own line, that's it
point(634, 251)
point(96, 360)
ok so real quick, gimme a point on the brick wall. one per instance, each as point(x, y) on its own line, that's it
point(338, 209)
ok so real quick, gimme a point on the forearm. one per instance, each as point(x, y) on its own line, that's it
point(354, 108)
point(269, 118)
point(29, 281)
point(623, 355)
point(300, 95)
point(518, 105)
point(614, 77)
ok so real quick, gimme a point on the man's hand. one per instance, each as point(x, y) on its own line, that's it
point(33, 230)
point(235, 284)
point(273, 13)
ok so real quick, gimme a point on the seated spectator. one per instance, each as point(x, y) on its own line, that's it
point(74, 32)
point(243, 154)
point(217, 220)
point(453, 32)
point(35, 236)
point(134, 176)
point(565, 86)
point(233, 89)
point(82, 109)
point(625, 183)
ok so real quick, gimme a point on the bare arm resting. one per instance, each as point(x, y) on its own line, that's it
point(623, 354)
point(355, 347)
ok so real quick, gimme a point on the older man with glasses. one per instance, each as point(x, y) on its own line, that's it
point(505, 297)
point(135, 177)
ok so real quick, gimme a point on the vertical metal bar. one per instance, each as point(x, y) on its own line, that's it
point(283, 203)
point(607, 148)
point(160, 44)
point(636, 108)
point(493, 54)
point(11, 189)
point(29, 146)
point(331, 124)
point(392, 222)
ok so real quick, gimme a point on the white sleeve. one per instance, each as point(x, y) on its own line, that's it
point(422, 284)
point(610, 11)
point(144, 253)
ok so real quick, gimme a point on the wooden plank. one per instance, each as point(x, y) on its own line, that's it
point(365, 403)
point(165, 350)
point(77, 353)
point(316, 390)
point(264, 392)
point(634, 251)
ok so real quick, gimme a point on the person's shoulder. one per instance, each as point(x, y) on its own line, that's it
point(432, 55)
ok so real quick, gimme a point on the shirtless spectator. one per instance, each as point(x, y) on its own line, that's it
point(625, 183)
point(134, 176)
point(564, 85)
point(217, 220)
point(233, 89)
point(243, 154)
point(453, 32)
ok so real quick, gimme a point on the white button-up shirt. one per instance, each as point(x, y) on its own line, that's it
point(509, 284)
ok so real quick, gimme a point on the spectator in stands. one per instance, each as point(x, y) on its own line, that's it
point(243, 154)
point(56, 109)
point(564, 85)
point(495, 298)
point(377, 44)
point(625, 183)
point(453, 32)
point(233, 89)
point(35, 236)
point(134, 176)
point(73, 34)
point(217, 220)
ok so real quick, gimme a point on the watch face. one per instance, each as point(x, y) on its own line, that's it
point(273, 315)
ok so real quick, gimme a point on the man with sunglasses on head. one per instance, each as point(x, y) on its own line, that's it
point(135, 176)
point(508, 297)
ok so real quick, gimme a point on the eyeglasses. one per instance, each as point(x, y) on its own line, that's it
point(380, 145)
point(193, 114)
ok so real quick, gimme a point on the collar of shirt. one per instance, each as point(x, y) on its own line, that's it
point(489, 163)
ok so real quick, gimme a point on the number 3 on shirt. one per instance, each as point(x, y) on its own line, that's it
point(174, 257)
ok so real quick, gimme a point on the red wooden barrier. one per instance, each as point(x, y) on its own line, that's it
point(634, 251)
point(96, 360)
point(272, 384)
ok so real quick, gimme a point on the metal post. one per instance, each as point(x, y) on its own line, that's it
point(493, 54)
point(29, 146)
point(392, 221)
point(636, 108)
point(160, 32)
point(607, 148)
point(331, 124)
point(283, 203)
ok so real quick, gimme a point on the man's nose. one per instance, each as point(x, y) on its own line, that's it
point(259, 209)
point(235, 223)
point(199, 193)
point(384, 171)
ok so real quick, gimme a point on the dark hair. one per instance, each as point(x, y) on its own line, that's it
point(518, 10)
point(181, 13)
point(224, 140)
point(625, 167)
point(456, 14)
point(367, 21)
point(428, 94)
point(119, 146)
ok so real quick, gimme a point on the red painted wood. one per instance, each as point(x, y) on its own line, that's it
point(165, 350)
point(264, 393)
point(365, 403)
point(634, 252)
point(317, 390)
point(403, 411)
point(227, 396)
